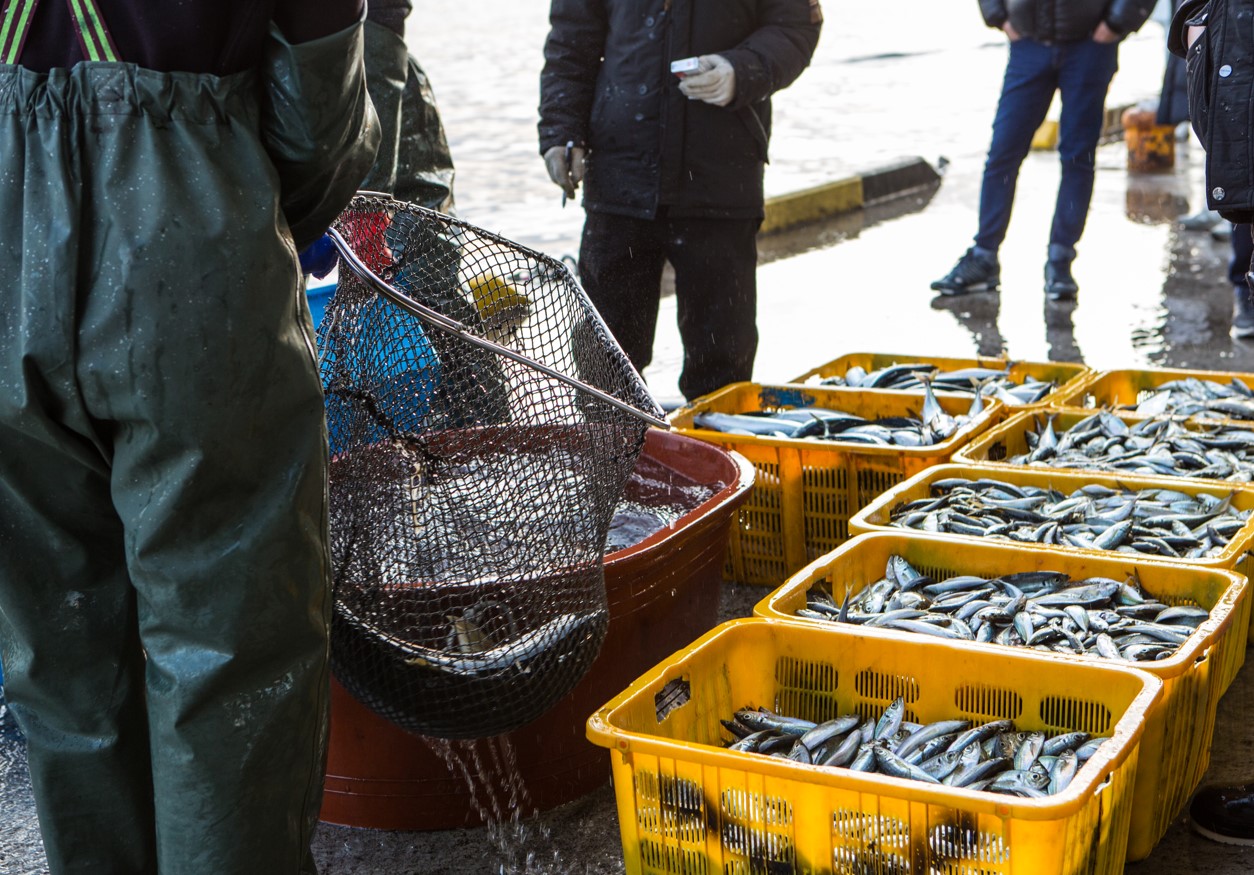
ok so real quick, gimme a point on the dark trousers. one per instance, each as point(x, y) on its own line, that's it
point(715, 261)
point(1242, 254)
point(1081, 72)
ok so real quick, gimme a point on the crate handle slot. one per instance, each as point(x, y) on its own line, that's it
point(672, 697)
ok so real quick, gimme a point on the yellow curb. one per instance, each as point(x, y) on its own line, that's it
point(811, 204)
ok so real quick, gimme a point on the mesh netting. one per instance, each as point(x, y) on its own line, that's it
point(471, 493)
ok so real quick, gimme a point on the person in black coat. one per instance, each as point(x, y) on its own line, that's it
point(671, 164)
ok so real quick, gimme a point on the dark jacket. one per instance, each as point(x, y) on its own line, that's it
point(1064, 21)
point(1221, 87)
point(193, 36)
point(607, 85)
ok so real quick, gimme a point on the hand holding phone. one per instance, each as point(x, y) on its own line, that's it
point(686, 66)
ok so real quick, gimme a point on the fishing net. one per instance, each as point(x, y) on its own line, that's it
point(483, 424)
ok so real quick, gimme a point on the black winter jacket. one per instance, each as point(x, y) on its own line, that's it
point(1064, 21)
point(607, 85)
point(1221, 90)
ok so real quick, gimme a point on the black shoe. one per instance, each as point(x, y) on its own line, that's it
point(973, 273)
point(1242, 311)
point(1224, 814)
point(1060, 285)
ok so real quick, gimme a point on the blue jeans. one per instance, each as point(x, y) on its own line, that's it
point(1081, 72)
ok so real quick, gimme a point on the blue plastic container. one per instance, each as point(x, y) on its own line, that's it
point(407, 376)
point(318, 297)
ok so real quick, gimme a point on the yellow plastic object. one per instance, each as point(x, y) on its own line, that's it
point(687, 806)
point(1113, 389)
point(875, 516)
point(806, 490)
point(1175, 750)
point(501, 305)
point(1067, 375)
point(1046, 137)
point(1151, 146)
point(1006, 440)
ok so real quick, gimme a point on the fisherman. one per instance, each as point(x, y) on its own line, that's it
point(1216, 38)
point(164, 592)
point(674, 166)
point(1067, 47)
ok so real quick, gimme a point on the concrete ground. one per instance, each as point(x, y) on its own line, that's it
point(1149, 295)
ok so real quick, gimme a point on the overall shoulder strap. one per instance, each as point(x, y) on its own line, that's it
point(89, 26)
point(15, 22)
point(93, 34)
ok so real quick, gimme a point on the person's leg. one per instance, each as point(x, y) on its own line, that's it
point(1084, 78)
point(74, 667)
point(73, 661)
point(196, 363)
point(715, 264)
point(620, 267)
point(1240, 272)
point(1242, 254)
point(1027, 90)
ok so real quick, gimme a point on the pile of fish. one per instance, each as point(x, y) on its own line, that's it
point(991, 756)
point(915, 376)
point(819, 423)
point(1104, 442)
point(1044, 610)
point(1162, 522)
point(1205, 399)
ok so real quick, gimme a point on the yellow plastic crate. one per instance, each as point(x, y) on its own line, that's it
point(806, 490)
point(1067, 375)
point(1007, 439)
point(991, 449)
point(874, 517)
point(1235, 557)
point(688, 806)
point(1175, 749)
point(1111, 389)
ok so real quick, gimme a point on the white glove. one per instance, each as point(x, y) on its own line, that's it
point(566, 174)
point(716, 85)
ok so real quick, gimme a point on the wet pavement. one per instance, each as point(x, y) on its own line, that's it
point(1150, 295)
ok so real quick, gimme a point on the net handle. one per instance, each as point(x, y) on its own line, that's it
point(426, 314)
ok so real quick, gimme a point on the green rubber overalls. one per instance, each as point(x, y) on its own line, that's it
point(164, 592)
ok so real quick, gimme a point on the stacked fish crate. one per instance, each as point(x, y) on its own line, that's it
point(1008, 597)
point(809, 483)
point(1146, 467)
point(827, 738)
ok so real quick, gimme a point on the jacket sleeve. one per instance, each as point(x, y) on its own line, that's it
point(1126, 16)
point(994, 12)
point(775, 54)
point(572, 57)
point(318, 125)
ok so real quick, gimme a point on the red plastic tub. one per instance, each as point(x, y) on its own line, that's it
point(663, 594)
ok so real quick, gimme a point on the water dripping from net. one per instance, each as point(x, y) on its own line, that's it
point(499, 795)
